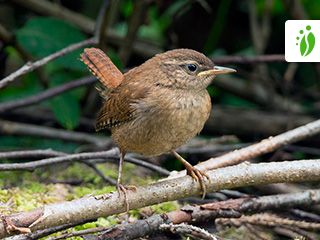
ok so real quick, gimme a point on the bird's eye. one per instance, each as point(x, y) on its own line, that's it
point(192, 67)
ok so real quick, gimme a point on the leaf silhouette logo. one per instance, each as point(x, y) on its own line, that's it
point(307, 42)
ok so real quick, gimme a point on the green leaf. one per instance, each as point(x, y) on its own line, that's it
point(66, 110)
point(42, 36)
point(66, 107)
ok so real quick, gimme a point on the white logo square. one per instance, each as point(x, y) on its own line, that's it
point(302, 41)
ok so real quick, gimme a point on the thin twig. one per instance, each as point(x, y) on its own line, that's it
point(90, 159)
point(267, 219)
point(265, 146)
point(105, 178)
point(30, 154)
point(133, 26)
point(49, 161)
point(30, 66)
point(14, 128)
point(52, 92)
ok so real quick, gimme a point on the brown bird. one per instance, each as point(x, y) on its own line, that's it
point(156, 107)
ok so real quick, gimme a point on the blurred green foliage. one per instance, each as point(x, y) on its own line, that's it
point(220, 29)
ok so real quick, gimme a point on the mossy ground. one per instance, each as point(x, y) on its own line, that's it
point(23, 191)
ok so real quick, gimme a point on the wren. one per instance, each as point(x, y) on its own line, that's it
point(156, 107)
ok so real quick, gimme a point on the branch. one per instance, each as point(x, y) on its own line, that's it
point(139, 11)
point(37, 98)
point(89, 158)
point(30, 66)
point(89, 208)
point(30, 154)
point(210, 211)
point(265, 146)
point(13, 128)
point(86, 24)
point(249, 60)
point(55, 160)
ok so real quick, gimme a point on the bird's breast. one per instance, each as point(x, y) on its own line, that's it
point(164, 121)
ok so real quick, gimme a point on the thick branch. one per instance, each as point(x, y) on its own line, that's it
point(89, 208)
point(208, 212)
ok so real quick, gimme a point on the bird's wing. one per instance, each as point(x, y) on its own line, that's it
point(118, 107)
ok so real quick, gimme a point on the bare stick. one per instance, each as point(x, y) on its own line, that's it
point(106, 179)
point(30, 154)
point(266, 219)
point(265, 146)
point(30, 66)
point(90, 159)
point(49, 161)
point(13, 128)
point(37, 98)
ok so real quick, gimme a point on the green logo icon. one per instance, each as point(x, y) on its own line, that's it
point(307, 41)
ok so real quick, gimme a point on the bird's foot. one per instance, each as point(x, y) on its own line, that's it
point(195, 173)
point(124, 189)
point(198, 176)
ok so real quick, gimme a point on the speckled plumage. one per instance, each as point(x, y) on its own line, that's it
point(158, 106)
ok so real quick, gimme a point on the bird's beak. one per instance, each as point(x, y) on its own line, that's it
point(216, 71)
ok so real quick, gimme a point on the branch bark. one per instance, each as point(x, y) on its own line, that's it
point(265, 146)
point(89, 208)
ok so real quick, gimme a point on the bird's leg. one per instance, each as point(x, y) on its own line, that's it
point(195, 173)
point(120, 187)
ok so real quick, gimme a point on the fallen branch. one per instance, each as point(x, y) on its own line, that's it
point(233, 208)
point(90, 208)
